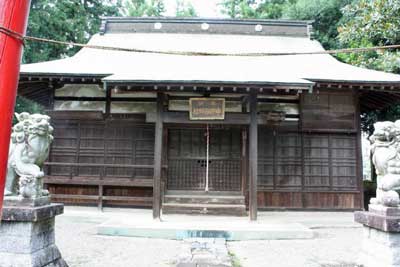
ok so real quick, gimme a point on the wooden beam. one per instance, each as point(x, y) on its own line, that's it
point(112, 99)
point(158, 157)
point(230, 119)
point(253, 157)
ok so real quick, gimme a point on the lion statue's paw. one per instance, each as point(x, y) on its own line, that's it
point(374, 201)
point(39, 174)
point(390, 199)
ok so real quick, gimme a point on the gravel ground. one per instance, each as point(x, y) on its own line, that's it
point(81, 247)
point(337, 243)
point(334, 247)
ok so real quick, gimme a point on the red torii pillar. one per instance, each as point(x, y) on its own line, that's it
point(13, 16)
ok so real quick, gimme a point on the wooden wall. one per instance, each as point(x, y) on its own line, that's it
point(318, 165)
point(95, 160)
point(307, 170)
point(310, 164)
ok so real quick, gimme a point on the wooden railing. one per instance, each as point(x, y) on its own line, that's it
point(103, 167)
point(100, 181)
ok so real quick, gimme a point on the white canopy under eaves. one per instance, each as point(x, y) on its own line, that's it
point(121, 66)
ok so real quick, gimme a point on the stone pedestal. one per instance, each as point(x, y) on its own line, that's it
point(27, 237)
point(381, 240)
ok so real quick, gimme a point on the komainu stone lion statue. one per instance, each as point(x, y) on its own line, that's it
point(386, 158)
point(29, 148)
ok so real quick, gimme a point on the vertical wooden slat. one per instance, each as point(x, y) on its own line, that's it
point(52, 92)
point(253, 156)
point(359, 168)
point(108, 100)
point(78, 148)
point(303, 179)
point(165, 160)
point(103, 172)
point(274, 165)
point(303, 202)
point(100, 201)
point(243, 160)
point(158, 157)
point(330, 161)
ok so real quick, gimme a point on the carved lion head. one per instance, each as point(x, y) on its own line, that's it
point(39, 125)
point(31, 125)
point(385, 131)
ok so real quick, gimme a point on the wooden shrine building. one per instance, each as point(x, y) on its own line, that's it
point(196, 120)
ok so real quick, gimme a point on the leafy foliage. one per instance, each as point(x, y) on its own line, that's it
point(144, 8)
point(266, 9)
point(25, 105)
point(272, 9)
point(64, 20)
point(325, 13)
point(239, 8)
point(184, 9)
point(369, 23)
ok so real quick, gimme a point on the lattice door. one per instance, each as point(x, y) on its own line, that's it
point(224, 160)
point(187, 151)
point(186, 159)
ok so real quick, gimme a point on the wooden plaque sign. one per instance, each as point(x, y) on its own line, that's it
point(207, 108)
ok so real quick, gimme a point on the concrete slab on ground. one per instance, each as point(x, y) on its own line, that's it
point(180, 227)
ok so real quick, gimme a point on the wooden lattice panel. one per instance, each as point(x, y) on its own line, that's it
point(187, 159)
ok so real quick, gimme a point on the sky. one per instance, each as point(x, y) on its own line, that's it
point(204, 8)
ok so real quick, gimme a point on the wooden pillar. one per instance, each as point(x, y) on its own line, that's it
point(108, 100)
point(158, 157)
point(359, 170)
point(253, 156)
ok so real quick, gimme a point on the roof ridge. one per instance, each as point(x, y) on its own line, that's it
point(207, 19)
point(281, 27)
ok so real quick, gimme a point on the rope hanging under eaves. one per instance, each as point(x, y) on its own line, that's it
point(22, 38)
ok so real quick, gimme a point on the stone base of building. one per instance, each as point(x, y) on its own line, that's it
point(381, 240)
point(27, 234)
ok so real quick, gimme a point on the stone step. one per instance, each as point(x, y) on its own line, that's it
point(204, 209)
point(204, 199)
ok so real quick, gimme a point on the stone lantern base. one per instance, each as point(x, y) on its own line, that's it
point(381, 241)
point(27, 237)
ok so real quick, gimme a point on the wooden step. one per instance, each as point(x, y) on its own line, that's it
point(203, 193)
point(204, 209)
point(204, 199)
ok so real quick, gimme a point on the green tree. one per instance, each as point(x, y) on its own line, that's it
point(25, 105)
point(326, 14)
point(64, 20)
point(368, 23)
point(184, 9)
point(271, 9)
point(239, 8)
point(144, 8)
